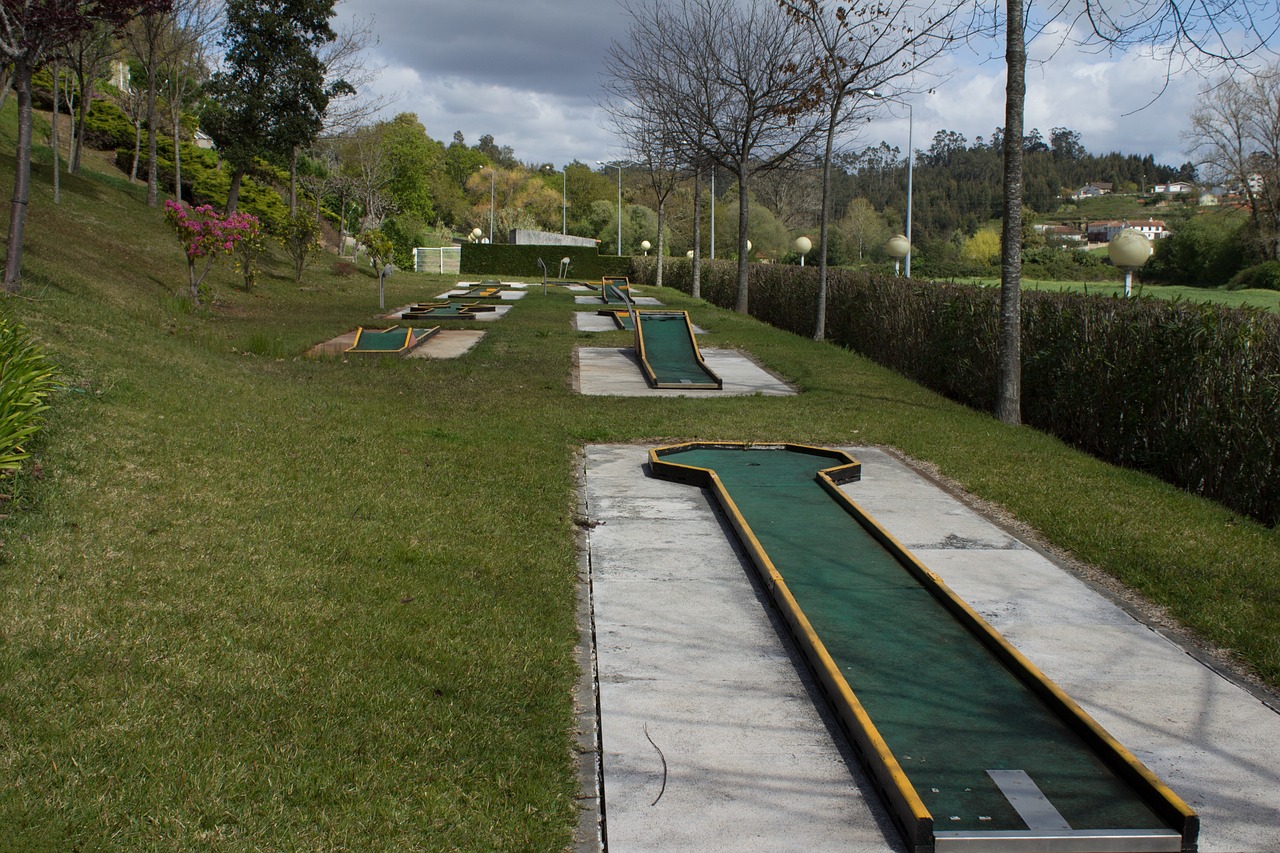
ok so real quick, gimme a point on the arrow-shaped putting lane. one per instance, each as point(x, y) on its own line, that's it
point(972, 746)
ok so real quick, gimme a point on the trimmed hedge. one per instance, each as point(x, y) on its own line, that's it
point(1187, 392)
point(504, 259)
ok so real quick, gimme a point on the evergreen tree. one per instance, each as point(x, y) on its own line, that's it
point(271, 94)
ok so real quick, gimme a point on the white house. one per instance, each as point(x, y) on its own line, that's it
point(1093, 190)
point(1175, 188)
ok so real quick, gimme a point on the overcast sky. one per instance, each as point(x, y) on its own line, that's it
point(529, 72)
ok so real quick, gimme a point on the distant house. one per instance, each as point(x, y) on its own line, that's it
point(1061, 234)
point(1152, 229)
point(1093, 190)
point(1175, 188)
point(1102, 232)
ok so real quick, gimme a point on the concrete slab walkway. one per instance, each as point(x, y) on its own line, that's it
point(616, 372)
point(712, 737)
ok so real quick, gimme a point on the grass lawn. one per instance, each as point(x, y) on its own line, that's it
point(257, 601)
point(1252, 298)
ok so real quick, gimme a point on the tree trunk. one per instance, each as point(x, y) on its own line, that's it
point(53, 134)
point(86, 100)
point(21, 178)
point(820, 323)
point(233, 193)
point(177, 158)
point(137, 149)
point(1009, 390)
point(696, 291)
point(744, 213)
point(153, 168)
point(293, 182)
point(662, 208)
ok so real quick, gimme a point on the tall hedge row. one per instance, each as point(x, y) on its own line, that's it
point(1187, 392)
point(586, 262)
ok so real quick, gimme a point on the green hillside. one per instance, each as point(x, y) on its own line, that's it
point(251, 600)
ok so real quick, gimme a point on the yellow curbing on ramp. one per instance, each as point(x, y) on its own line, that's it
point(714, 382)
point(1159, 796)
point(905, 806)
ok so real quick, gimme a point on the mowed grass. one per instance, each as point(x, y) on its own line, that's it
point(258, 601)
point(1247, 298)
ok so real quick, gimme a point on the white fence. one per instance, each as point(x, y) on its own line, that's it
point(447, 259)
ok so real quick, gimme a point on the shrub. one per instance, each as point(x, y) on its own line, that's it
point(27, 378)
point(1264, 276)
point(1188, 393)
point(106, 127)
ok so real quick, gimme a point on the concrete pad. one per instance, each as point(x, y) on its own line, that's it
point(616, 373)
point(508, 295)
point(481, 316)
point(712, 737)
point(648, 301)
point(675, 654)
point(447, 343)
point(591, 321)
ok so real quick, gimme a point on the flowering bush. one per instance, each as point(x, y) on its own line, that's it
point(247, 252)
point(204, 233)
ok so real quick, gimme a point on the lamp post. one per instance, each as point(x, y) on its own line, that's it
point(617, 166)
point(1129, 250)
point(898, 247)
point(564, 198)
point(646, 245)
point(802, 245)
point(492, 184)
point(713, 211)
point(911, 159)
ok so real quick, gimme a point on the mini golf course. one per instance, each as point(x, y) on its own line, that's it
point(971, 747)
point(445, 311)
point(615, 291)
point(669, 355)
point(622, 319)
point(396, 340)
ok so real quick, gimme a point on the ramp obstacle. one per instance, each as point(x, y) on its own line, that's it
point(669, 354)
point(396, 340)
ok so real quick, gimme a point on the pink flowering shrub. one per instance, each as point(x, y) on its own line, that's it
point(205, 234)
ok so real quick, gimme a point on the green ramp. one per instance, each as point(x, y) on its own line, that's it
point(396, 340)
point(669, 355)
point(971, 746)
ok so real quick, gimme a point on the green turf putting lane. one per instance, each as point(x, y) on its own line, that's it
point(394, 341)
point(971, 746)
point(668, 353)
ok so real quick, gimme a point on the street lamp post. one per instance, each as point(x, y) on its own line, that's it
point(492, 184)
point(911, 159)
point(564, 198)
point(617, 166)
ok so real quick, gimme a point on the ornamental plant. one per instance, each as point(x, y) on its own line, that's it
point(248, 253)
point(205, 234)
point(27, 377)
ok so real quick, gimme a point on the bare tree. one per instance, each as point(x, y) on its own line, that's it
point(1235, 137)
point(733, 77)
point(858, 50)
point(87, 57)
point(1230, 32)
point(183, 59)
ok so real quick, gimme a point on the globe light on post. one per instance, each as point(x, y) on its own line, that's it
point(689, 254)
point(646, 246)
point(802, 246)
point(898, 248)
point(1129, 250)
point(476, 234)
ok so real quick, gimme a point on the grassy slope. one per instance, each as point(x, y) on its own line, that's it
point(273, 603)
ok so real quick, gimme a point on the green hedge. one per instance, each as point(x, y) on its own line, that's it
point(1187, 392)
point(499, 259)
